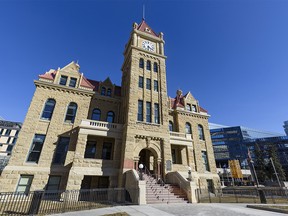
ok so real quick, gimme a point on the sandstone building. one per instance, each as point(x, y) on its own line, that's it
point(82, 134)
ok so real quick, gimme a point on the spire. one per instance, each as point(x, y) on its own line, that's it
point(144, 27)
point(143, 14)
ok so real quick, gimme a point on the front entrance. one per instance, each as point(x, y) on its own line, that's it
point(150, 162)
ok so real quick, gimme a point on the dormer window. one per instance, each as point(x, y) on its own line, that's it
point(63, 80)
point(188, 107)
point(103, 91)
point(194, 109)
point(72, 82)
point(147, 29)
point(109, 92)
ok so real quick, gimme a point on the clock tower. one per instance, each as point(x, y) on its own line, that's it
point(144, 102)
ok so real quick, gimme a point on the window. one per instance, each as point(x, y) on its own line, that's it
point(188, 128)
point(1, 131)
point(96, 114)
point(53, 183)
point(73, 82)
point(148, 83)
point(155, 67)
point(71, 112)
point(156, 85)
point(141, 63)
point(103, 91)
point(140, 83)
point(110, 117)
point(109, 92)
point(36, 148)
point(9, 148)
point(148, 66)
point(9, 139)
point(24, 184)
point(63, 80)
point(205, 161)
point(148, 111)
point(107, 151)
point(16, 134)
point(194, 108)
point(156, 113)
point(188, 107)
point(176, 154)
point(7, 132)
point(140, 111)
point(48, 109)
point(171, 126)
point(173, 152)
point(14, 141)
point(201, 132)
point(90, 151)
point(61, 150)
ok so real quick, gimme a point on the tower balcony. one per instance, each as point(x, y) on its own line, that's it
point(180, 138)
point(100, 128)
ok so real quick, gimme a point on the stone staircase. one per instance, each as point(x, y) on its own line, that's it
point(163, 193)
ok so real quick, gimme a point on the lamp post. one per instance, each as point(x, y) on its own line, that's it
point(141, 166)
point(189, 174)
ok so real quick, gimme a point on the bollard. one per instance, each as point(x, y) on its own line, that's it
point(35, 202)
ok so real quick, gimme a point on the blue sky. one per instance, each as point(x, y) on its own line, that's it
point(232, 55)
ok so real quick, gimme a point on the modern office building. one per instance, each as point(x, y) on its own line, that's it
point(8, 136)
point(84, 134)
point(286, 127)
point(230, 143)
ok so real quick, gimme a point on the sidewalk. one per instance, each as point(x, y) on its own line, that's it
point(211, 209)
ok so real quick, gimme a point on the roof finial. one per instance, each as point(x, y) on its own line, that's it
point(143, 16)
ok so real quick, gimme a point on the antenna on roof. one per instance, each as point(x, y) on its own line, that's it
point(143, 10)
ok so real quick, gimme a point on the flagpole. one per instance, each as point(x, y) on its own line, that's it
point(275, 171)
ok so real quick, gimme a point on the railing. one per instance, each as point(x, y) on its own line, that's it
point(243, 195)
point(153, 182)
point(100, 125)
point(50, 202)
point(177, 134)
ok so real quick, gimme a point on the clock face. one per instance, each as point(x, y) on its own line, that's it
point(147, 45)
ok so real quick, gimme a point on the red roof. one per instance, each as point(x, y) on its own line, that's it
point(86, 83)
point(48, 75)
point(95, 84)
point(143, 26)
point(203, 110)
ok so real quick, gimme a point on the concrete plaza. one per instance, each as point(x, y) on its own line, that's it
point(213, 209)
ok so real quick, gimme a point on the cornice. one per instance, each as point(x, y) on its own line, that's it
point(63, 88)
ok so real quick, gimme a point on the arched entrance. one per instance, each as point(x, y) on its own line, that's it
point(150, 161)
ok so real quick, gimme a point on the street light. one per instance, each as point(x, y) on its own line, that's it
point(189, 174)
point(141, 166)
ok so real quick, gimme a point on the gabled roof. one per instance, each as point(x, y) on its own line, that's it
point(50, 75)
point(144, 27)
point(85, 83)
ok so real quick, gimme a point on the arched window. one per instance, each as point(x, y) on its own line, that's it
point(155, 67)
point(201, 132)
point(188, 128)
point(48, 109)
point(110, 117)
point(141, 63)
point(71, 112)
point(103, 91)
point(96, 114)
point(170, 126)
point(109, 91)
point(148, 66)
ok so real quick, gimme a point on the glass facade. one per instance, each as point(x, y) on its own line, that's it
point(231, 143)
